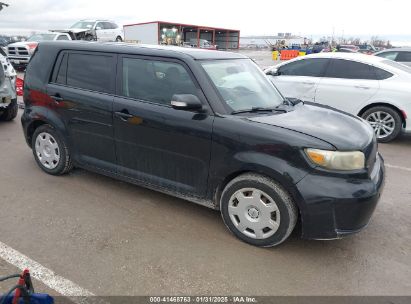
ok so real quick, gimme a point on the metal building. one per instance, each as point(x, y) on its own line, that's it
point(169, 33)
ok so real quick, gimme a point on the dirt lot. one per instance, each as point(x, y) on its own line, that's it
point(113, 238)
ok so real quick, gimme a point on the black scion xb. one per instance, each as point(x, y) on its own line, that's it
point(205, 126)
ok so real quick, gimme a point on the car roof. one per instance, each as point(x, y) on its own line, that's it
point(348, 56)
point(154, 50)
point(399, 49)
point(96, 20)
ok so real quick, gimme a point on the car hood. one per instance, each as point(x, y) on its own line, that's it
point(21, 43)
point(342, 130)
point(75, 30)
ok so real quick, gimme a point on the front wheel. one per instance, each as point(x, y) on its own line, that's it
point(385, 121)
point(258, 210)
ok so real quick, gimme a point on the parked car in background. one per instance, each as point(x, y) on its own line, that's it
point(374, 88)
point(8, 97)
point(401, 55)
point(351, 47)
point(253, 155)
point(3, 43)
point(367, 49)
point(19, 53)
point(95, 30)
point(202, 44)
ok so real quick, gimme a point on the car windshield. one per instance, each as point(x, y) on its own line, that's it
point(41, 37)
point(397, 65)
point(83, 25)
point(242, 85)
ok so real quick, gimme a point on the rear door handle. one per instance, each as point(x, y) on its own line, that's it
point(124, 115)
point(57, 97)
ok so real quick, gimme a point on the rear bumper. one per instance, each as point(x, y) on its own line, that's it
point(335, 207)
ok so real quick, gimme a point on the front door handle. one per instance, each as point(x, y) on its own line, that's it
point(362, 87)
point(124, 115)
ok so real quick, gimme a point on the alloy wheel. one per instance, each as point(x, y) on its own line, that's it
point(382, 122)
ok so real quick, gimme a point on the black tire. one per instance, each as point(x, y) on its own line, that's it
point(89, 38)
point(64, 164)
point(287, 209)
point(11, 112)
point(118, 39)
point(394, 114)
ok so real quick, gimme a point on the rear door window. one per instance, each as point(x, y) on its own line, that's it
point(91, 71)
point(346, 69)
point(305, 67)
point(388, 55)
point(155, 81)
point(62, 37)
point(404, 57)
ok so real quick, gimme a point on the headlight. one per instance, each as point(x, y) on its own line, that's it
point(336, 160)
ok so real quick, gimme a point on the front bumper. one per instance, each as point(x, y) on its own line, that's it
point(334, 207)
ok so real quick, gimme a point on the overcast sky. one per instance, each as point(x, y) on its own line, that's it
point(385, 18)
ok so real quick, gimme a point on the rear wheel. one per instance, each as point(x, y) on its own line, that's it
point(10, 112)
point(118, 39)
point(50, 151)
point(385, 121)
point(258, 210)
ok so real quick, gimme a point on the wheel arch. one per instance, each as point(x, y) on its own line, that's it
point(385, 104)
point(285, 182)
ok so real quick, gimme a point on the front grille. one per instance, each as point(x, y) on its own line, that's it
point(18, 51)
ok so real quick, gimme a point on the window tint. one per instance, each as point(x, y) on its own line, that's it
point(100, 25)
point(340, 68)
point(155, 81)
point(107, 25)
point(381, 74)
point(62, 37)
point(91, 72)
point(305, 67)
point(404, 57)
point(62, 71)
point(114, 26)
point(388, 55)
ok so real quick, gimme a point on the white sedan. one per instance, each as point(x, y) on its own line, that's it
point(374, 88)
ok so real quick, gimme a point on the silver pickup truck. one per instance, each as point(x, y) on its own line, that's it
point(8, 96)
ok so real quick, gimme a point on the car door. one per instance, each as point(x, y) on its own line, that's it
point(101, 32)
point(299, 79)
point(347, 85)
point(82, 88)
point(110, 31)
point(155, 143)
point(404, 58)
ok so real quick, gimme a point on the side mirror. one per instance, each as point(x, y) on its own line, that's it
point(187, 102)
point(272, 72)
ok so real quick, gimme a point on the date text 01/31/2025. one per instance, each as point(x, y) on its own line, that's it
point(202, 299)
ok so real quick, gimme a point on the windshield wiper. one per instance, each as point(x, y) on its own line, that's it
point(293, 101)
point(258, 109)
